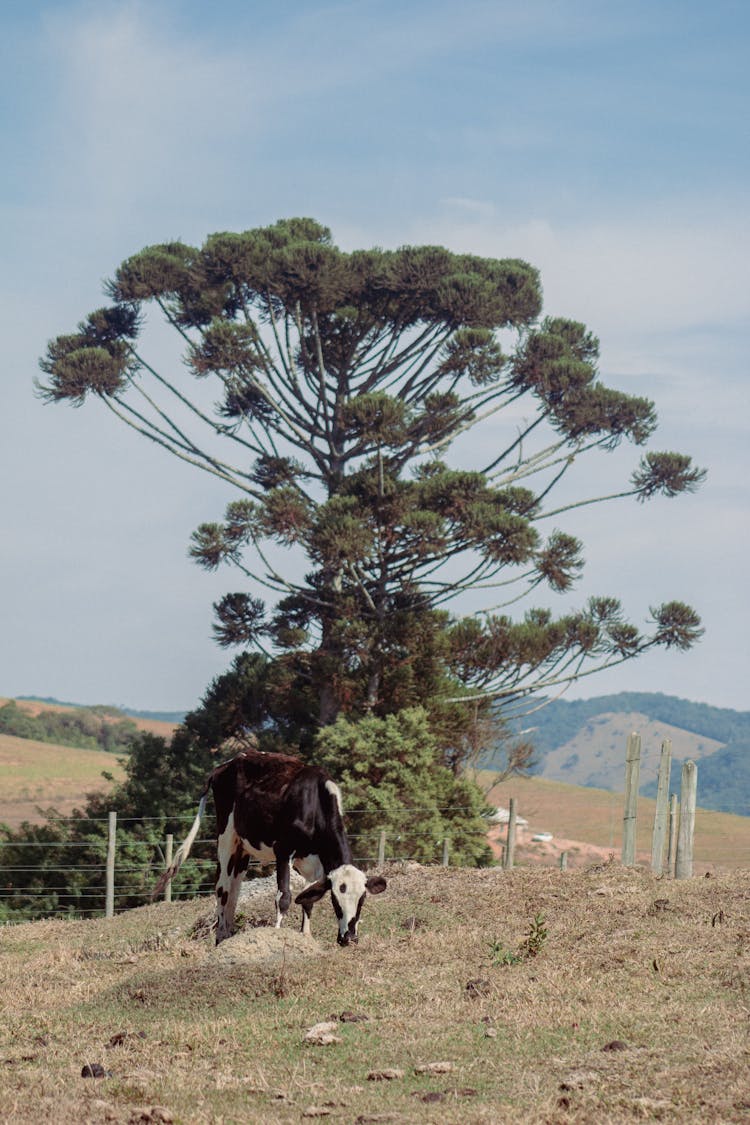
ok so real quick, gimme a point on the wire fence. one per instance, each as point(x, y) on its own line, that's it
point(116, 870)
point(98, 876)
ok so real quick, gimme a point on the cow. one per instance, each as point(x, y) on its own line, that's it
point(276, 809)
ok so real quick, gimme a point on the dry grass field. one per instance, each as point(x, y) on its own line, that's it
point(634, 1007)
point(41, 775)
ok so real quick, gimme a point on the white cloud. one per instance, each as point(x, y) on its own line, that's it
point(628, 278)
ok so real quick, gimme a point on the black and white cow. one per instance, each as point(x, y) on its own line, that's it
point(275, 809)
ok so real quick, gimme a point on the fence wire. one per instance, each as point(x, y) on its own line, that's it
point(82, 888)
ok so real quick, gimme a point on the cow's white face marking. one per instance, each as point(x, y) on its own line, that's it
point(348, 890)
point(348, 886)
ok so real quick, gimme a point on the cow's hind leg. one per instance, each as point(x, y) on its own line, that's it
point(232, 864)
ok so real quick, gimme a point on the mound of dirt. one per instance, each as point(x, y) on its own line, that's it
point(266, 946)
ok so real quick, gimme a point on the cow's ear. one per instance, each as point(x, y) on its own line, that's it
point(314, 892)
point(376, 884)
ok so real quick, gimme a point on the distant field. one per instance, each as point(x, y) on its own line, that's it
point(585, 822)
point(44, 775)
point(39, 774)
point(573, 813)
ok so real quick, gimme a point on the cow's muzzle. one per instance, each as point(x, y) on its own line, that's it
point(347, 939)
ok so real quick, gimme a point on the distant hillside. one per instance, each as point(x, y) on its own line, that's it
point(576, 816)
point(583, 743)
point(561, 720)
point(595, 755)
point(173, 717)
point(723, 779)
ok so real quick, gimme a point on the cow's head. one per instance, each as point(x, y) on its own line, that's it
point(348, 886)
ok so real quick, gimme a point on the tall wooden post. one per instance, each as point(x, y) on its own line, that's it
point(632, 777)
point(688, 793)
point(446, 851)
point(659, 837)
point(510, 846)
point(168, 862)
point(381, 847)
point(109, 899)
point(674, 823)
point(563, 861)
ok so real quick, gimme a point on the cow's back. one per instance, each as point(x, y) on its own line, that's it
point(311, 814)
point(252, 786)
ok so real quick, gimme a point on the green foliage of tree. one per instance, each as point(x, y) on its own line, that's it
point(392, 778)
point(85, 728)
point(327, 390)
point(340, 382)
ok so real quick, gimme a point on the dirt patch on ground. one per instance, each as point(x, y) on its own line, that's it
point(265, 946)
point(547, 852)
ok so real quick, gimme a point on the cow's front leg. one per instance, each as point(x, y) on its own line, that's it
point(310, 868)
point(309, 897)
point(283, 894)
point(306, 912)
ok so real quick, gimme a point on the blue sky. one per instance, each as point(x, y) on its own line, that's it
point(605, 143)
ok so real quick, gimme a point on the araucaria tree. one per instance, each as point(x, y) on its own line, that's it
point(326, 388)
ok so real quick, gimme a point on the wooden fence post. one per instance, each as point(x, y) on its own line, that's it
point(109, 898)
point(446, 851)
point(659, 837)
point(510, 846)
point(168, 862)
point(381, 848)
point(688, 792)
point(563, 861)
point(632, 776)
point(674, 822)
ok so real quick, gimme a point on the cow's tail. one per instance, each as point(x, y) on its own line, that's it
point(183, 851)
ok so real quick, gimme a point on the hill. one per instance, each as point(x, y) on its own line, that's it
point(38, 775)
point(583, 742)
point(724, 779)
point(561, 719)
point(595, 754)
point(532, 996)
point(173, 718)
point(144, 720)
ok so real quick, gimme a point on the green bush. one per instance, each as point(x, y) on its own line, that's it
point(393, 777)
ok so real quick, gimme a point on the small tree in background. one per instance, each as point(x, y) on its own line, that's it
point(392, 778)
